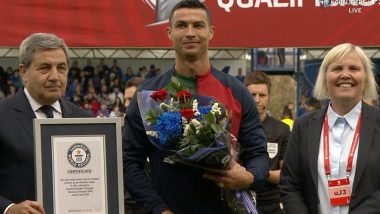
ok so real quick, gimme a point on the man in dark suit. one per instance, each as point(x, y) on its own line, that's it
point(44, 65)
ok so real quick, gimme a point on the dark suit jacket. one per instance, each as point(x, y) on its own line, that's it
point(299, 175)
point(17, 178)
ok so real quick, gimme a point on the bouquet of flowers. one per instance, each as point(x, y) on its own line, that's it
point(191, 128)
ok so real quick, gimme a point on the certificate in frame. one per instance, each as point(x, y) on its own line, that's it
point(78, 165)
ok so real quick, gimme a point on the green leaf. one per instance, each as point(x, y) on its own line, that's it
point(152, 115)
point(217, 128)
point(210, 118)
point(174, 86)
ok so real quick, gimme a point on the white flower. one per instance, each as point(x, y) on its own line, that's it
point(196, 124)
point(186, 130)
point(152, 133)
point(215, 109)
point(195, 107)
point(184, 121)
point(172, 104)
point(164, 106)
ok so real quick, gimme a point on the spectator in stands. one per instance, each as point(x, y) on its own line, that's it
point(94, 103)
point(103, 91)
point(179, 188)
point(240, 75)
point(9, 72)
point(87, 107)
point(118, 102)
point(151, 73)
point(91, 93)
point(44, 65)
point(117, 83)
point(103, 111)
point(77, 100)
point(116, 69)
point(89, 68)
point(70, 90)
point(16, 79)
point(277, 133)
point(102, 65)
point(74, 70)
point(142, 72)
point(116, 93)
point(82, 80)
point(111, 77)
point(79, 90)
point(128, 74)
point(116, 112)
point(96, 78)
point(106, 99)
point(12, 90)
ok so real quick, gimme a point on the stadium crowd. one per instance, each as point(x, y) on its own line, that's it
point(103, 90)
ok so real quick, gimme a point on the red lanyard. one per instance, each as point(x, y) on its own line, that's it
point(326, 149)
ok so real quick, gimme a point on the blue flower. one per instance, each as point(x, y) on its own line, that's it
point(204, 109)
point(168, 126)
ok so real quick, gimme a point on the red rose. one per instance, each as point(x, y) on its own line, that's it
point(159, 95)
point(187, 113)
point(184, 95)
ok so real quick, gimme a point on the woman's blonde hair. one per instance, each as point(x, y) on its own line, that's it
point(336, 54)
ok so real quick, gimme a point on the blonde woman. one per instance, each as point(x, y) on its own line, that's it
point(332, 159)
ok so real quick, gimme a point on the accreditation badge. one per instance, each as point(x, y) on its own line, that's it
point(272, 149)
point(340, 192)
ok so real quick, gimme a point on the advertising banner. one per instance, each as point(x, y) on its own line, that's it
point(239, 23)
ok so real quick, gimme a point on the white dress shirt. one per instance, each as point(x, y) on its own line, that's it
point(57, 113)
point(341, 133)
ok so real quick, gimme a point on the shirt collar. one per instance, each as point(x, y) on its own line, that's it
point(35, 105)
point(351, 117)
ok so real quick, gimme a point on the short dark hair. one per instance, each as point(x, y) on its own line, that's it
point(258, 77)
point(134, 81)
point(193, 4)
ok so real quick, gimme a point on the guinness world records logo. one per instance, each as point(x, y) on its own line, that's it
point(78, 155)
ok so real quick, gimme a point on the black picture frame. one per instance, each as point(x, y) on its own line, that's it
point(109, 128)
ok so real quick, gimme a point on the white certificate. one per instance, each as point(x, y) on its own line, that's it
point(79, 175)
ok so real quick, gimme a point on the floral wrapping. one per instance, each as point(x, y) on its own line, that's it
point(190, 129)
point(173, 130)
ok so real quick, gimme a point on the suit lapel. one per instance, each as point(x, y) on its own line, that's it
point(66, 111)
point(365, 142)
point(24, 112)
point(314, 134)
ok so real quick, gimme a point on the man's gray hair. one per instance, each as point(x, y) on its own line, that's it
point(40, 41)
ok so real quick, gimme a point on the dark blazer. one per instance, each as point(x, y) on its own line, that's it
point(299, 175)
point(17, 178)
